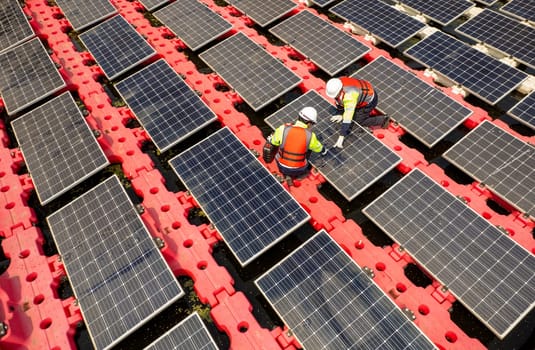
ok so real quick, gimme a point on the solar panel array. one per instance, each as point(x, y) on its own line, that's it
point(523, 9)
point(504, 163)
point(59, 149)
point(424, 111)
point(82, 13)
point(258, 77)
point(488, 272)
point(481, 74)
point(117, 273)
point(165, 105)
point(503, 33)
point(363, 160)
point(189, 334)
point(328, 302)
point(27, 75)
point(384, 21)
point(243, 200)
point(438, 10)
point(116, 46)
point(14, 26)
point(524, 110)
point(193, 22)
point(263, 12)
point(152, 4)
point(324, 44)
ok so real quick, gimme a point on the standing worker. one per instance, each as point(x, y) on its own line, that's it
point(295, 142)
point(357, 98)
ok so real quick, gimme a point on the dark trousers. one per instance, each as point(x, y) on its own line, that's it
point(362, 115)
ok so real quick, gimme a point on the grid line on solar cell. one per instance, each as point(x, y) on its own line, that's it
point(242, 199)
point(59, 149)
point(524, 110)
point(503, 33)
point(523, 9)
point(327, 46)
point(504, 163)
point(481, 74)
point(14, 26)
point(27, 75)
point(117, 273)
point(424, 111)
point(116, 46)
point(382, 20)
point(189, 334)
point(440, 11)
point(487, 271)
point(152, 4)
point(258, 77)
point(82, 13)
point(193, 22)
point(263, 12)
point(165, 105)
point(328, 302)
point(363, 160)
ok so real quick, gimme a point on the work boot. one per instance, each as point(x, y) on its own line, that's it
point(289, 180)
point(386, 122)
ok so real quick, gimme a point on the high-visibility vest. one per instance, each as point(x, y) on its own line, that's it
point(294, 146)
point(363, 87)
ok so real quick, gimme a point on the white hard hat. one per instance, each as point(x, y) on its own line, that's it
point(309, 114)
point(333, 87)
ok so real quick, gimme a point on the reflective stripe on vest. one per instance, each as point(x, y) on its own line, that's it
point(294, 146)
point(364, 88)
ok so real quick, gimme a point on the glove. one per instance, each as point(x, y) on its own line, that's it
point(336, 118)
point(339, 142)
point(324, 151)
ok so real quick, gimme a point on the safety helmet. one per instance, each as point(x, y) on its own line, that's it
point(309, 114)
point(333, 87)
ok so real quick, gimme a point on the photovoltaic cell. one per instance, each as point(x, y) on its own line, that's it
point(14, 26)
point(481, 74)
point(524, 110)
point(82, 13)
point(327, 46)
point(59, 149)
point(263, 12)
point(116, 46)
point(27, 75)
point(382, 20)
point(165, 105)
point(152, 4)
point(504, 163)
point(117, 273)
point(328, 302)
point(193, 22)
point(424, 111)
point(487, 271)
point(363, 160)
point(243, 200)
point(438, 10)
point(503, 33)
point(258, 77)
point(523, 9)
point(189, 334)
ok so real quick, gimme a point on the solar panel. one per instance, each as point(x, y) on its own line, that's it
point(116, 46)
point(328, 302)
point(152, 4)
point(82, 13)
point(14, 26)
point(322, 3)
point(488, 272)
point(263, 12)
point(59, 149)
point(382, 20)
point(257, 76)
point(424, 111)
point(363, 160)
point(189, 334)
point(438, 10)
point(243, 200)
point(504, 163)
point(327, 46)
point(165, 105)
point(117, 273)
point(524, 110)
point(503, 33)
point(481, 74)
point(523, 9)
point(486, 2)
point(27, 75)
point(193, 22)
